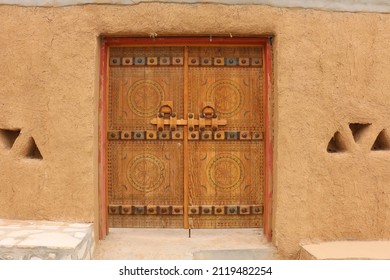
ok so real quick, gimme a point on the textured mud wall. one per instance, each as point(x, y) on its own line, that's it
point(339, 5)
point(330, 69)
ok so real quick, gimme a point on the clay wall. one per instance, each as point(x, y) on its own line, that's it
point(331, 69)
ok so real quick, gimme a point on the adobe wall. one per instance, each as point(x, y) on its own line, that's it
point(330, 69)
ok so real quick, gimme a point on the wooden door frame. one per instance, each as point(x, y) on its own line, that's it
point(107, 42)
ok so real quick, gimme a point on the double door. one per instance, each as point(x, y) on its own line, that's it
point(185, 136)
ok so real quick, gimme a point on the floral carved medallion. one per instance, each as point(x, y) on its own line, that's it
point(144, 97)
point(145, 172)
point(227, 96)
point(225, 171)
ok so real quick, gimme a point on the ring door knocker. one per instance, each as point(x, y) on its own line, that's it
point(208, 111)
point(166, 116)
point(208, 117)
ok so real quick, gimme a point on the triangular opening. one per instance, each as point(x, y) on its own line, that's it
point(33, 151)
point(335, 144)
point(8, 137)
point(358, 129)
point(382, 142)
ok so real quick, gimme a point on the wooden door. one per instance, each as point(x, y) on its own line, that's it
point(185, 136)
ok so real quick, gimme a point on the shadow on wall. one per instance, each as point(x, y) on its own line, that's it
point(337, 143)
point(29, 148)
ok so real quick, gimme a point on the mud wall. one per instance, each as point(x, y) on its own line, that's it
point(335, 5)
point(331, 70)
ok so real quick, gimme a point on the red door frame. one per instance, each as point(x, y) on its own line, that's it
point(180, 41)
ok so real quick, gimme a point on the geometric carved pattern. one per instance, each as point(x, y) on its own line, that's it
point(226, 221)
point(240, 162)
point(236, 92)
point(144, 97)
point(135, 95)
point(145, 172)
point(227, 95)
point(225, 171)
point(145, 221)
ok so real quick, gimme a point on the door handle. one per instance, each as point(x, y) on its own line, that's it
point(166, 109)
point(208, 110)
point(166, 117)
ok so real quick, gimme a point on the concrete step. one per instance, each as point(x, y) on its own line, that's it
point(346, 250)
point(266, 253)
point(40, 240)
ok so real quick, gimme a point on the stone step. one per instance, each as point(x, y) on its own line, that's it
point(346, 250)
point(41, 240)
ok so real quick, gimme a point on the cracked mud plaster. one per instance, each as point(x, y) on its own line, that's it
point(330, 69)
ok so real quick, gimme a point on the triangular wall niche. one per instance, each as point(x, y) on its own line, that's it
point(33, 151)
point(382, 142)
point(335, 144)
point(8, 137)
point(358, 129)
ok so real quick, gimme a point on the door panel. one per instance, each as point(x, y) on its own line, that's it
point(137, 93)
point(144, 180)
point(234, 84)
point(236, 93)
point(226, 175)
point(145, 173)
point(226, 179)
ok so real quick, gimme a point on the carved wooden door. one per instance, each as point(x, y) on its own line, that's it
point(185, 130)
